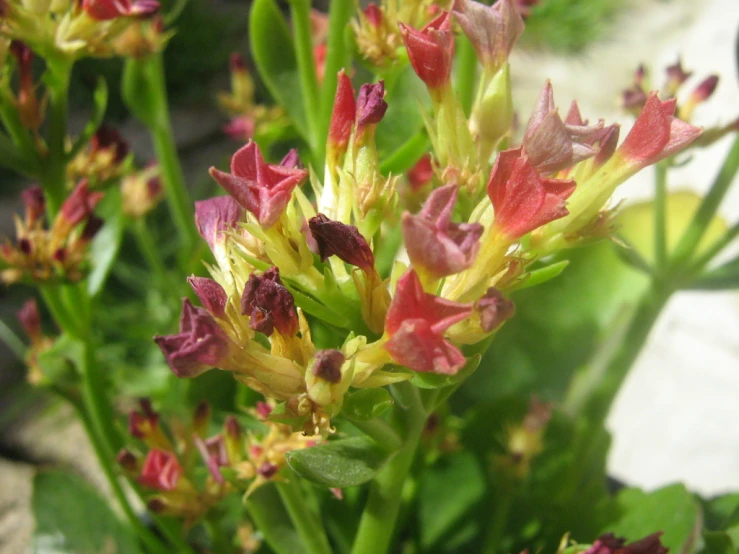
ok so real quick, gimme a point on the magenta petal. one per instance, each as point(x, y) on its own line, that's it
point(215, 215)
point(416, 346)
point(212, 296)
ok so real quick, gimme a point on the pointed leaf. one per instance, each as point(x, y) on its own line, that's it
point(107, 242)
point(724, 277)
point(274, 56)
point(341, 463)
point(543, 274)
point(718, 542)
point(366, 404)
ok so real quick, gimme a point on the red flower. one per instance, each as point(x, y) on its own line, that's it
point(431, 50)
point(199, 346)
point(416, 322)
point(435, 243)
point(161, 470)
point(492, 30)
point(212, 296)
point(342, 116)
point(216, 215)
point(105, 10)
point(259, 187)
point(421, 173)
point(269, 304)
point(79, 205)
point(656, 134)
point(523, 199)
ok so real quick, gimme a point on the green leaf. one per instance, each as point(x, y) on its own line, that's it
point(366, 404)
point(543, 274)
point(106, 244)
point(341, 463)
point(437, 381)
point(60, 363)
point(448, 492)
point(269, 515)
point(721, 512)
point(274, 55)
point(671, 509)
point(99, 104)
point(71, 518)
point(718, 542)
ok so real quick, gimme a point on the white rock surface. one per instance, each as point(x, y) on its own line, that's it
point(677, 416)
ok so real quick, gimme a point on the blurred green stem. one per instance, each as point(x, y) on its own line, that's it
point(660, 215)
point(466, 73)
point(377, 525)
point(165, 147)
point(54, 178)
point(300, 12)
point(309, 527)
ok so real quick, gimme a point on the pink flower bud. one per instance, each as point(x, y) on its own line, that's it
point(35, 201)
point(373, 14)
point(609, 544)
point(328, 365)
point(656, 134)
point(676, 76)
point(30, 320)
point(161, 470)
point(344, 241)
point(292, 160)
point(371, 106)
point(105, 10)
point(127, 460)
point(212, 296)
point(421, 173)
point(216, 215)
point(199, 346)
point(143, 424)
point(263, 409)
point(269, 304)
point(79, 205)
point(240, 128)
point(107, 138)
point(435, 243)
point(705, 89)
point(214, 454)
point(431, 50)
point(492, 30)
point(343, 114)
point(416, 322)
point(493, 309)
point(236, 63)
point(523, 199)
point(259, 187)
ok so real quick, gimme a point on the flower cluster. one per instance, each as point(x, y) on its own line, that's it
point(187, 471)
point(283, 262)
point(58, 252)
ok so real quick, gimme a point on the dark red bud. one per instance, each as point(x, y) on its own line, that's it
point(371, 106)
point(35, 201)
point(25, 246)
point(127, 460)
point(494, 309)
point(236, 62)
point(269, 304)
point(328, 365)
point(232, 427)
point(705, 89)
point(30, 319)
point(268, 470)
point(344, 241)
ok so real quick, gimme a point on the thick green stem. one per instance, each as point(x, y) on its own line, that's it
point(300, 12)
point(379, 431)
point(702, 219)
point(178, 198)
point(54, 178)
point(466, 73)
point(598, 401)
point(660, 215)
point(380, 514)
point(309, 527)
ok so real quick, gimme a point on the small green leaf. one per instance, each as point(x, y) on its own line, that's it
point(543, 274)
point(268, 513)
point(366, 404)
point(71, 518)
point(437, 381)
point(99, 105)
point(274, 56)
point(105, 245)
point(671, 509)
point(718, 542)
point(341, 463)
point(61, 363)
point(318, 310)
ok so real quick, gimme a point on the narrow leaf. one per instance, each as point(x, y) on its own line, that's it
point(543, 274)
point(105, 245)
point(99, 105)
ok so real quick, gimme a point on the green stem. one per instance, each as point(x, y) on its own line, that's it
point(702, 219)
point(55, 304)
point(12, 341)
point(501, 509)
point(379, 431)
point(660, 215)
point(300, 12)
point(714, 250)
point(149, 251)
point(178, 198)
point(55, 175)
point(377, 524)
point(598, 401)
point(309, 527)
point(406, 155)
point(21, 138)
point(466, 73)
